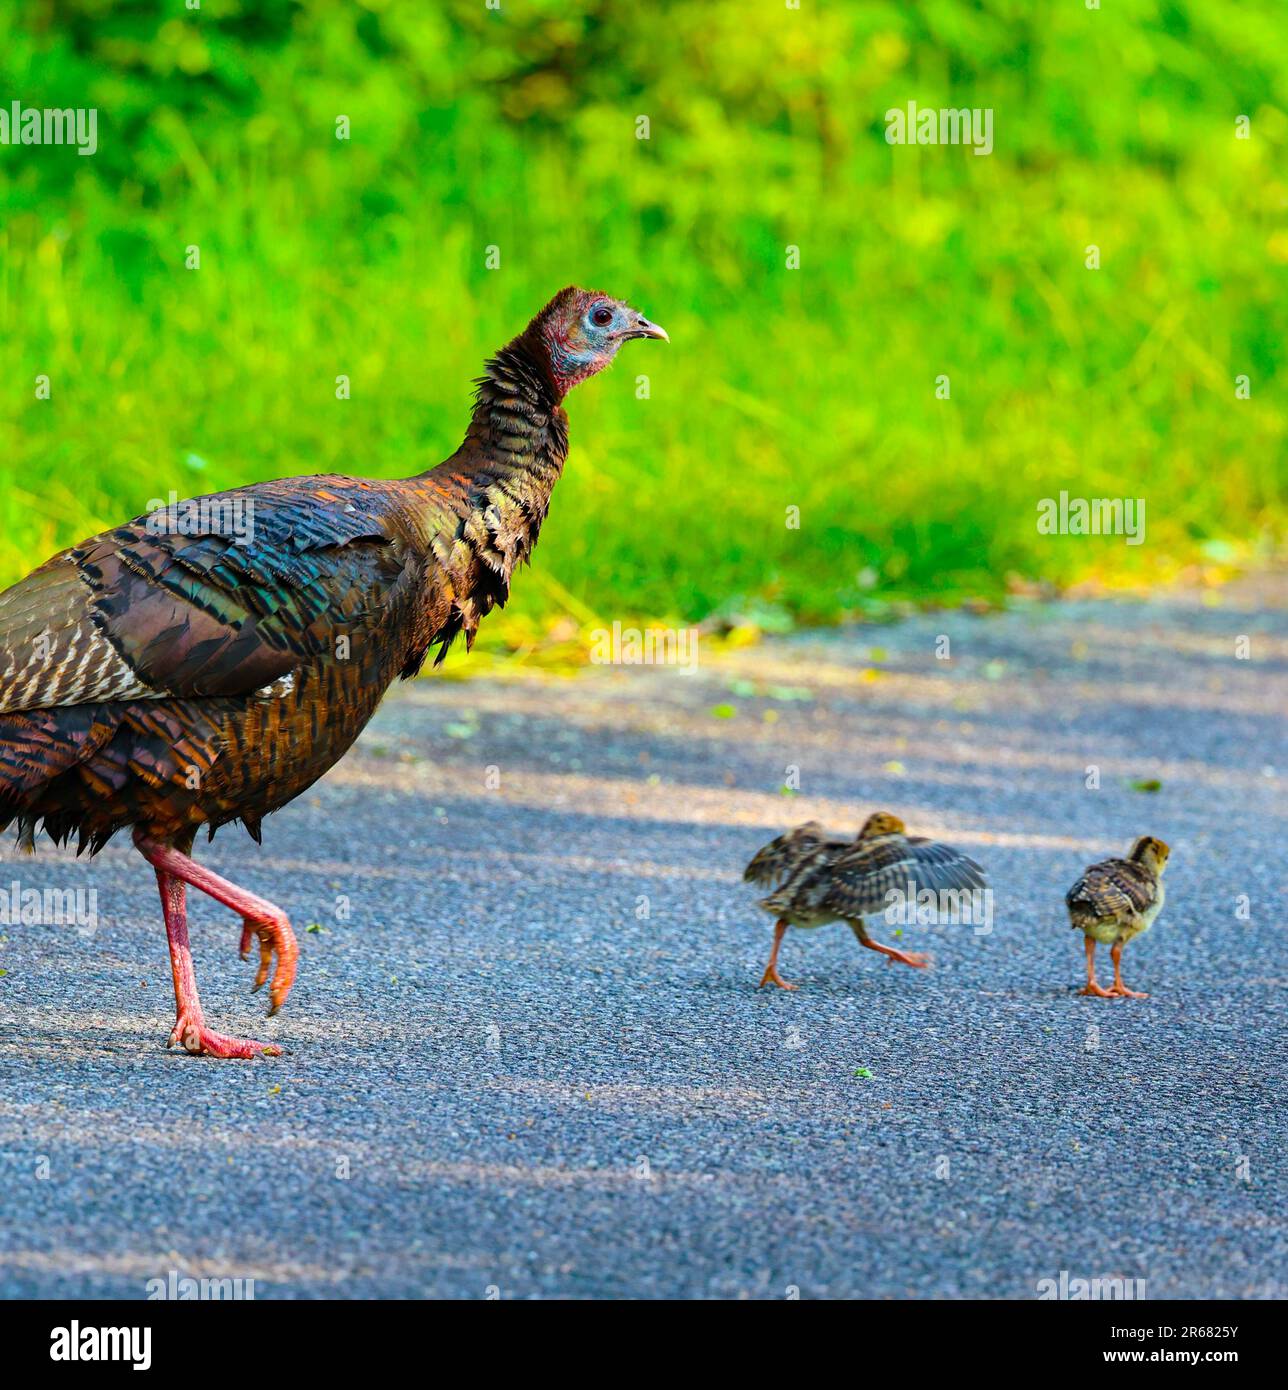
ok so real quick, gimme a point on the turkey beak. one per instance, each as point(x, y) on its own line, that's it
point(644, 329)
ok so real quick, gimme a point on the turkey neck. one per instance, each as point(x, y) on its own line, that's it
point(479, 512)
point(518, 434)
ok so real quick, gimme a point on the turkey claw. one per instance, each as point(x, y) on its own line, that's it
point(275, 938)
point(201, 1041)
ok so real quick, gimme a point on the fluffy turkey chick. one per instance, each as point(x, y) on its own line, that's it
point(1114, 901)
point(822, 878)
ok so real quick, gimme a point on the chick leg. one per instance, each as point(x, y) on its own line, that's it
point(771, 970)
point(1091, 987)
point(1118, 987)
point(918, 962)
point(190, 1024)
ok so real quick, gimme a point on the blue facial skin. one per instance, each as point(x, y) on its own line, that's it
point(591, 341)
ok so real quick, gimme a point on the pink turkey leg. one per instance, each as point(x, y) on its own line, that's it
point(190, 1024)
point(258, 915)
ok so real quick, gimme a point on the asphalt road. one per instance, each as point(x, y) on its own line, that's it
point(533, 1059)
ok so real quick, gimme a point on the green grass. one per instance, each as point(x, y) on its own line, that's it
point(810, 388)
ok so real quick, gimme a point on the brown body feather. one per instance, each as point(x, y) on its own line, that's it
point(166, 681)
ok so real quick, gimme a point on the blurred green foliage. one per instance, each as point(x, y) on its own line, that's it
point(810, 388)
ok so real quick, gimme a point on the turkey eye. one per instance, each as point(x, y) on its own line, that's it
point(601, 317)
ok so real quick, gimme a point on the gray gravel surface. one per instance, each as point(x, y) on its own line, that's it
point(533, 1059)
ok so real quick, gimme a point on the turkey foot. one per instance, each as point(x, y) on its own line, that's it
point(259, 916)
point(274, 935)
point(918, 962)
point(1093, 987)
point(771, 974)
point(1118, 988)
point(203, 1042)
point(912, 958)
point(190, 1024)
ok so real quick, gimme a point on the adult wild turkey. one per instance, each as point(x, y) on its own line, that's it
point(164, 681)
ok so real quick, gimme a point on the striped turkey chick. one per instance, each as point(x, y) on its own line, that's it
point(821, 878)
point(1114, 901)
